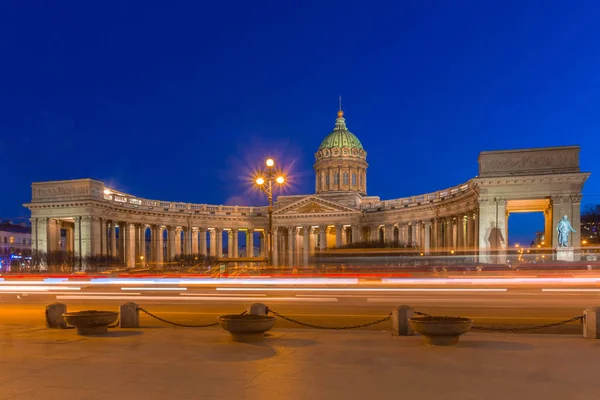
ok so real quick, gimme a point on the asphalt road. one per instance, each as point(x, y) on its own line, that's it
point(505, 304)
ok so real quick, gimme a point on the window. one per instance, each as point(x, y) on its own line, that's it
point(345, 178)
point(12, 239)
point(319, 181)
point(5, 239)
point(18, 240)
point(361, 180)
point(336, 179)
point(354, 179)
point(326, 181)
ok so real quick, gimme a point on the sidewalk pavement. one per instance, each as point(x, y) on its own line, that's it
point(179, 363)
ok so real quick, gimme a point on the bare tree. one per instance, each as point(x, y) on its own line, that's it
point(590, 224)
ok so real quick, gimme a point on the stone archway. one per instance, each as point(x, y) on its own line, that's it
point(547, 179)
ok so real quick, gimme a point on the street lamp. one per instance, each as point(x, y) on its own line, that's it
point(265, 183)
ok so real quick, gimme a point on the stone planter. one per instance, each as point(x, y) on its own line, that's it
point(440, 331)
point(246, 327)
point(91, 322)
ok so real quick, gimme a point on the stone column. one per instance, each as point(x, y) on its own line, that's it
point(230, 243)
point(492, 228)
point(202, 241)
point(389, 234)
point(322, 237)
point(548, 231)
point(339, 232)
point(219, 242)
point(139, 253)
point(461, 233)
point(213, 242)
point(130, 244)
point(187, 237)
point(69, 239)
point(469, 233)
point(275, 243)
point(306, 249)
point(194, 240)
point(53, 234)
point(427, 238)
point(291, 231)
point(250, 243)
point(113, 239)
point(178, 231)
point(356, 237)
point(158, 238)
point(171, 233)
point(121, 245)
point(103, 237)
point(561, 206)
point(236, 246)
point(375, 233)
point(262, 240)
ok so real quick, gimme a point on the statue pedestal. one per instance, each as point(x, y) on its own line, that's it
point(565, 254)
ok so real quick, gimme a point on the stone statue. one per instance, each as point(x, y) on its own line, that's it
point(564, 229)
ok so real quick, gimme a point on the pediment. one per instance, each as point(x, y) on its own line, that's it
point(314, 205)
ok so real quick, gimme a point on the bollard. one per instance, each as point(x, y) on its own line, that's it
point(258, 309)
point(591, 323)
point(129, 316)
point(400, 317)
point(54, 316)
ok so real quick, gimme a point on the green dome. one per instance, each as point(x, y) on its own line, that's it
point(341, 137)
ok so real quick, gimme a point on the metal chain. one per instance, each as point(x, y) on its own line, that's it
point(528, 328)
point(176, 323)
point(335, 328)
point(516, 329)
point(422, 314)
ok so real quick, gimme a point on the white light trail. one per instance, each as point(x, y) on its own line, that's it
point(34, 288)
point(219, 294)
point(570, 290)
point(153, 289)
point(487, 281)
point(198, 298)
point(360, 290)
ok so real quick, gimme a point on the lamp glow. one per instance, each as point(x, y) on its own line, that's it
point(280, 180)
point(260, 181)
point(270, 162)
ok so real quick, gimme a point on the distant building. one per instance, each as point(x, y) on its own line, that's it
point(15, 243)
point(539, 239)
point(590, 233)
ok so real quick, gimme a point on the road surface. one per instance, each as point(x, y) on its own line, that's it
point(508, 302)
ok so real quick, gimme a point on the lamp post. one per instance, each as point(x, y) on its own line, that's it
point(265, 183)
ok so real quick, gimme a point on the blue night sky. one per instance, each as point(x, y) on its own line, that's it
point(179, 101)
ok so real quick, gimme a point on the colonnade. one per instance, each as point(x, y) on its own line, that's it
point(457, 234)
point(140, 243)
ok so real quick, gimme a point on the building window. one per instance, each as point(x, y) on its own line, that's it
point(319, 182)
point(326, 181)
point(345, 178)
point(361, 180)
point(18, 240)
point(336, 178)
point(354, 179)
point(12, 239)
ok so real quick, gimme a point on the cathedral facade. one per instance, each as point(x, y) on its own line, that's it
point(88, 218)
